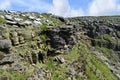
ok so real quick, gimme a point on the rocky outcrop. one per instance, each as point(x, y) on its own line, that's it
point(48, 47)
point(64, 38)
point(102, 30)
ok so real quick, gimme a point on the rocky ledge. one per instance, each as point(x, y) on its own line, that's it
point(36, 46)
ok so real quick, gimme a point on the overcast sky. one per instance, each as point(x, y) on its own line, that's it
point(65, 8)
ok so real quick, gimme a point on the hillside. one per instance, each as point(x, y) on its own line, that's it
point(36, 46)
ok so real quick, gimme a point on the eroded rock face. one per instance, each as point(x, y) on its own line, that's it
point(96, 28)
point(62, 37)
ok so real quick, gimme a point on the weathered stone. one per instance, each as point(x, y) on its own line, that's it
point(5, 44)
point(27, 57)
point(31, 17)
point(14, 34)
point(18, 19)
point(27, 22)
point(17, 67)
point(21, 39)
point(8, 59)
point(15, 40)
point(15, 26)
point(11, 22)
point(38, 19)
point(59, 59)
point(8, 17)
point(4, 27)
point(71, 70)
point(37, 23)
point(26, 34)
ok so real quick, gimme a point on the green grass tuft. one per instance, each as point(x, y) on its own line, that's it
point(43, 27)
point(107, 37)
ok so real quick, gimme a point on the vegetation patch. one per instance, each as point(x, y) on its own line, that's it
point(43, 27)
point(2, 21)
point(107, 52)
point(94, 68)
point(72, 55)
point(1, 54)
point(13, 75)
point(118, 34)
point(107, 37)
point(58, 72)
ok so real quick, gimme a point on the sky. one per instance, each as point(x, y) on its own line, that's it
point(65, 8)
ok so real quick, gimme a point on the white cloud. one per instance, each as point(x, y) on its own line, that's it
point(104, 7)
point(5, 4)
point(63, 8)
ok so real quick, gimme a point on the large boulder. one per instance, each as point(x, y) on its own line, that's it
point(26, 34)
point(5, 44)
point(8, 17)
